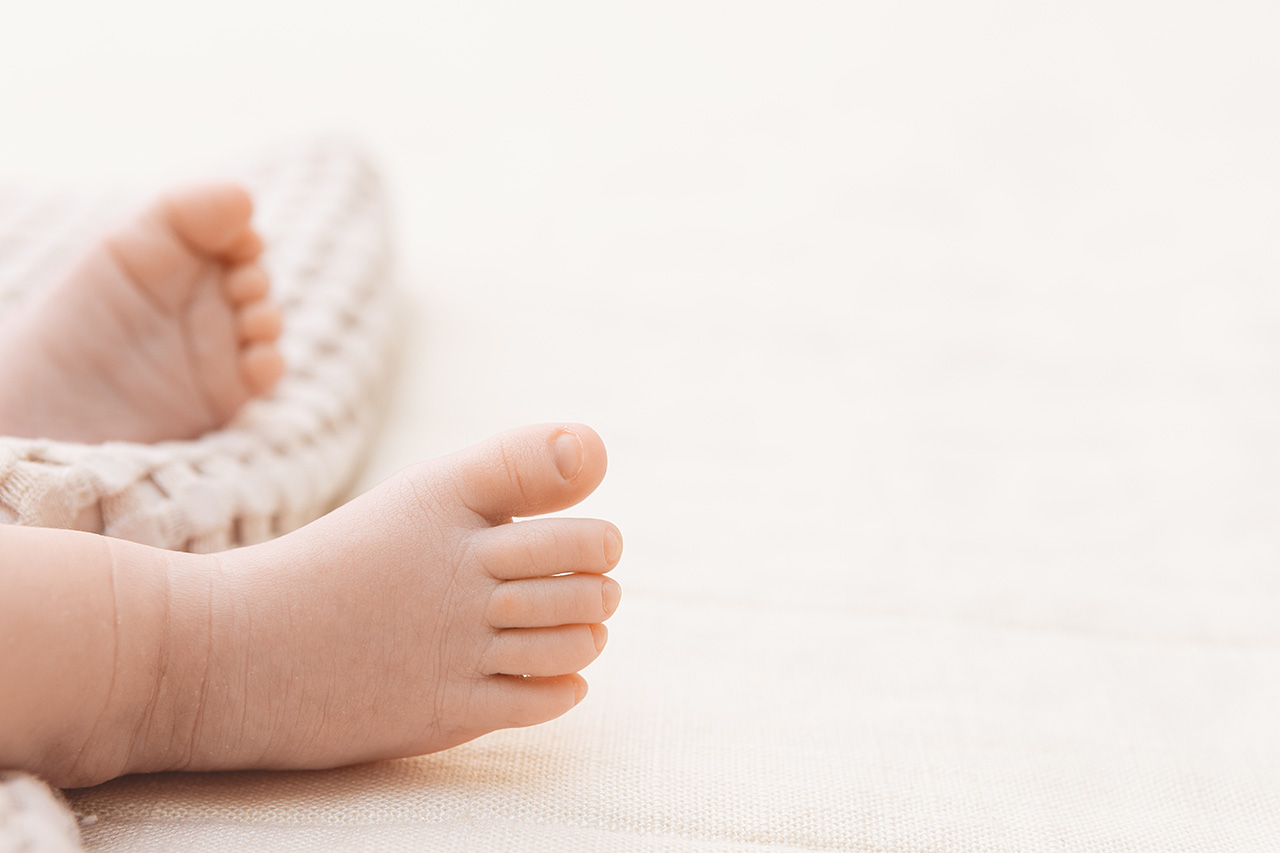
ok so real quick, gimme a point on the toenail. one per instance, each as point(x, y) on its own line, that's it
point(612, 548)
point(600, 635)
point(610, 595)
point(568, 453)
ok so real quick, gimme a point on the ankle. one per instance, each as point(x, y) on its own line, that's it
point(182, 685)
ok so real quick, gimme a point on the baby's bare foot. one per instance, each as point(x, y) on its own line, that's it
point(413, 619)
point(162, 332)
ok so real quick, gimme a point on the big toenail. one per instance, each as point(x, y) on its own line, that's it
point(600, 635)
point(568, 453)
point(612, 548)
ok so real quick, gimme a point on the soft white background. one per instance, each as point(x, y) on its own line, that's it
point(936, 346)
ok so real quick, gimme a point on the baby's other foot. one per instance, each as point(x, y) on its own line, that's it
point(163, 331)
point(413, 619)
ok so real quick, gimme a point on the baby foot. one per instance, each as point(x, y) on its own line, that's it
point(411, 620)
point(162, 332)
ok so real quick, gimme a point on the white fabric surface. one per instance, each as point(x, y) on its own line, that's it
point(936, 347)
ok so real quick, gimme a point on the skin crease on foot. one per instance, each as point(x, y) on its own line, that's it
point(163, 331)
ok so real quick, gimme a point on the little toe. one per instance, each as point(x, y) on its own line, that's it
point(210, 218)
point(261, 367)
point(548, 546)
point(506, 701)
point(528, 471)
point(246, 283)
point(258, 322)
point(547, 602)
point(544, 651)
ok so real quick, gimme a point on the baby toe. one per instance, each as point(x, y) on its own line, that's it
point(528, 471)
point(505, 701)
point(551, 546)
point(258, 322)
point(547, 602)
point(245, 248)
point(261, 367)
point(246, 283)
point(210, 218)
point(544, 651)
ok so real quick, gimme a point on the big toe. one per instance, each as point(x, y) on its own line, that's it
point(213, 218)
point(528, 471)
